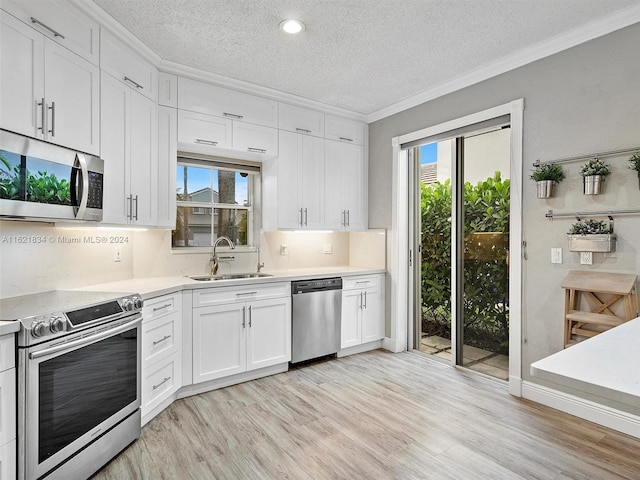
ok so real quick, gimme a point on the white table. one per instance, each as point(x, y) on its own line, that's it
point(607, 365)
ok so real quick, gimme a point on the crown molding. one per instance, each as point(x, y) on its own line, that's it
point(254, 89)
point(577, 36)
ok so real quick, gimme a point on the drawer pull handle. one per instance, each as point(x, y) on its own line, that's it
point(256, 150)
point(363, 281)
point(232, 115)
point(127, 79)
point(208, 142)
point(164, 380)
point(38, 22)
point(163, 339)
point(303, 130)
point(245, 293)
point(346, 139)
point(166, 305)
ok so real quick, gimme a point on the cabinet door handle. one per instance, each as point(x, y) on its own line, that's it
point(303, 130)
point(137, 85)
point(244, 316)
point(348, 218)
point(365, 299)
point(43, 113)
point(164, 380)
point(232, 115)
point(166, 305)
point(53, 119)
point(306, 217)
point(342, 222)
point(360, 301)
point(208, 142)
point(346, 139)
point(130, 212)
point(249, 316)
point(256, 150)
point(136, 216)
point(47, 27)
point(301, 222)
point(163, 339)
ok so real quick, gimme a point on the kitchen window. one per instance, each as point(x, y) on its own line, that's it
point(214, 198)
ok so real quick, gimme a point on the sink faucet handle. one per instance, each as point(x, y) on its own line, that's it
point(260, 266)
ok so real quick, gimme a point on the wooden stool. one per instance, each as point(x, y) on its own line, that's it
point(601, 291)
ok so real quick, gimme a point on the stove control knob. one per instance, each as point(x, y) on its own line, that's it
point(127, 304)
point(56, 324)
point(137, 302)
point(38, 329)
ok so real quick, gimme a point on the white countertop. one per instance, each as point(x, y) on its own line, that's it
point(607, 365)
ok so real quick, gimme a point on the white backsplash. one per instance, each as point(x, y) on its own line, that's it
point(37, 257)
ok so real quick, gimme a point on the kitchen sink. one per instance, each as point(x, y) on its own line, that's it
point(228, 276)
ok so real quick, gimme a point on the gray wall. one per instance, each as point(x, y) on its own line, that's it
point(580, 101)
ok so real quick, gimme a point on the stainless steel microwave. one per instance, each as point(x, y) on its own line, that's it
point(44, 182)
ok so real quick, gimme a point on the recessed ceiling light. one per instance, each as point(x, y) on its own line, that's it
point(291, 26)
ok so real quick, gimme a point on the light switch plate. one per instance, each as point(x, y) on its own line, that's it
point(284, 250)
point(556, 255)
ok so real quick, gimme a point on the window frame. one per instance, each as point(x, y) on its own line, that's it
point(253, 190)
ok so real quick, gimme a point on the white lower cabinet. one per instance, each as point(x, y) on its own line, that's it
point(161, 352)
point(244, 335)
point(7, 407)
point(362, 310)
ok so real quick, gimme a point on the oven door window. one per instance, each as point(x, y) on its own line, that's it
point(82, 388)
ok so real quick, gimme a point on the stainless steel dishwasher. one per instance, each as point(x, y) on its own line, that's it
point(316, 318)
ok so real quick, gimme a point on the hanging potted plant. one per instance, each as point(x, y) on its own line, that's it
point(634, 164)
point(594, 172)
point(591, 236)
point(546, 176)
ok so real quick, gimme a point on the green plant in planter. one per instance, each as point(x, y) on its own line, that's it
point(548, 171)
point(595, 166)
point(634, 162)
point(589, 227)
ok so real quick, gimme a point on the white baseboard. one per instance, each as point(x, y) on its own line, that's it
point(392, 345)
point(594, 412)
point(365, 347)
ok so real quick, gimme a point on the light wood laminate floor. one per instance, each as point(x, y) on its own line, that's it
point(377, 416)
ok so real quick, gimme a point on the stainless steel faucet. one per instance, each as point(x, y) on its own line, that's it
point(214, 257)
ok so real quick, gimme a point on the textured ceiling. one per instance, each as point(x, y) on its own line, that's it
point(361, 55)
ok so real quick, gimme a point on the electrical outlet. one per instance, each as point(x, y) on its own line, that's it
point(284, 250)
point(116, 255)
point(556, 255)
point(586, 258)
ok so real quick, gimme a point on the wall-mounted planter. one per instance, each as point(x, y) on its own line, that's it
point(544, 188)
point(600, 242)
point(593, 184)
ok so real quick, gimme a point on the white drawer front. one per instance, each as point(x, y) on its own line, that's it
point(222, 295)
point(362, 281)
point(7, 352)
point(161, 306)
point(159, 382)
point(7, 406)
point(344, 130)
point(160, 338)
point(202, 129)
point(127, 66)
point(255, 138)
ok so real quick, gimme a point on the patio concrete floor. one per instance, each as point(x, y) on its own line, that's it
point(482, 361)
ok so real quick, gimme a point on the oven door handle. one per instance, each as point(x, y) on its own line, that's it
point(85, 341)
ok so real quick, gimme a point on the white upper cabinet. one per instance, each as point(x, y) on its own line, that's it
point(61, 22)
point(167, 90)
point(204, 98)
point(345, 180)
point(343, 130)
point(255, 138)
point(202, 129)
point(301, 120)
point(167, 160)
point(127, 66)
point(47, 92)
